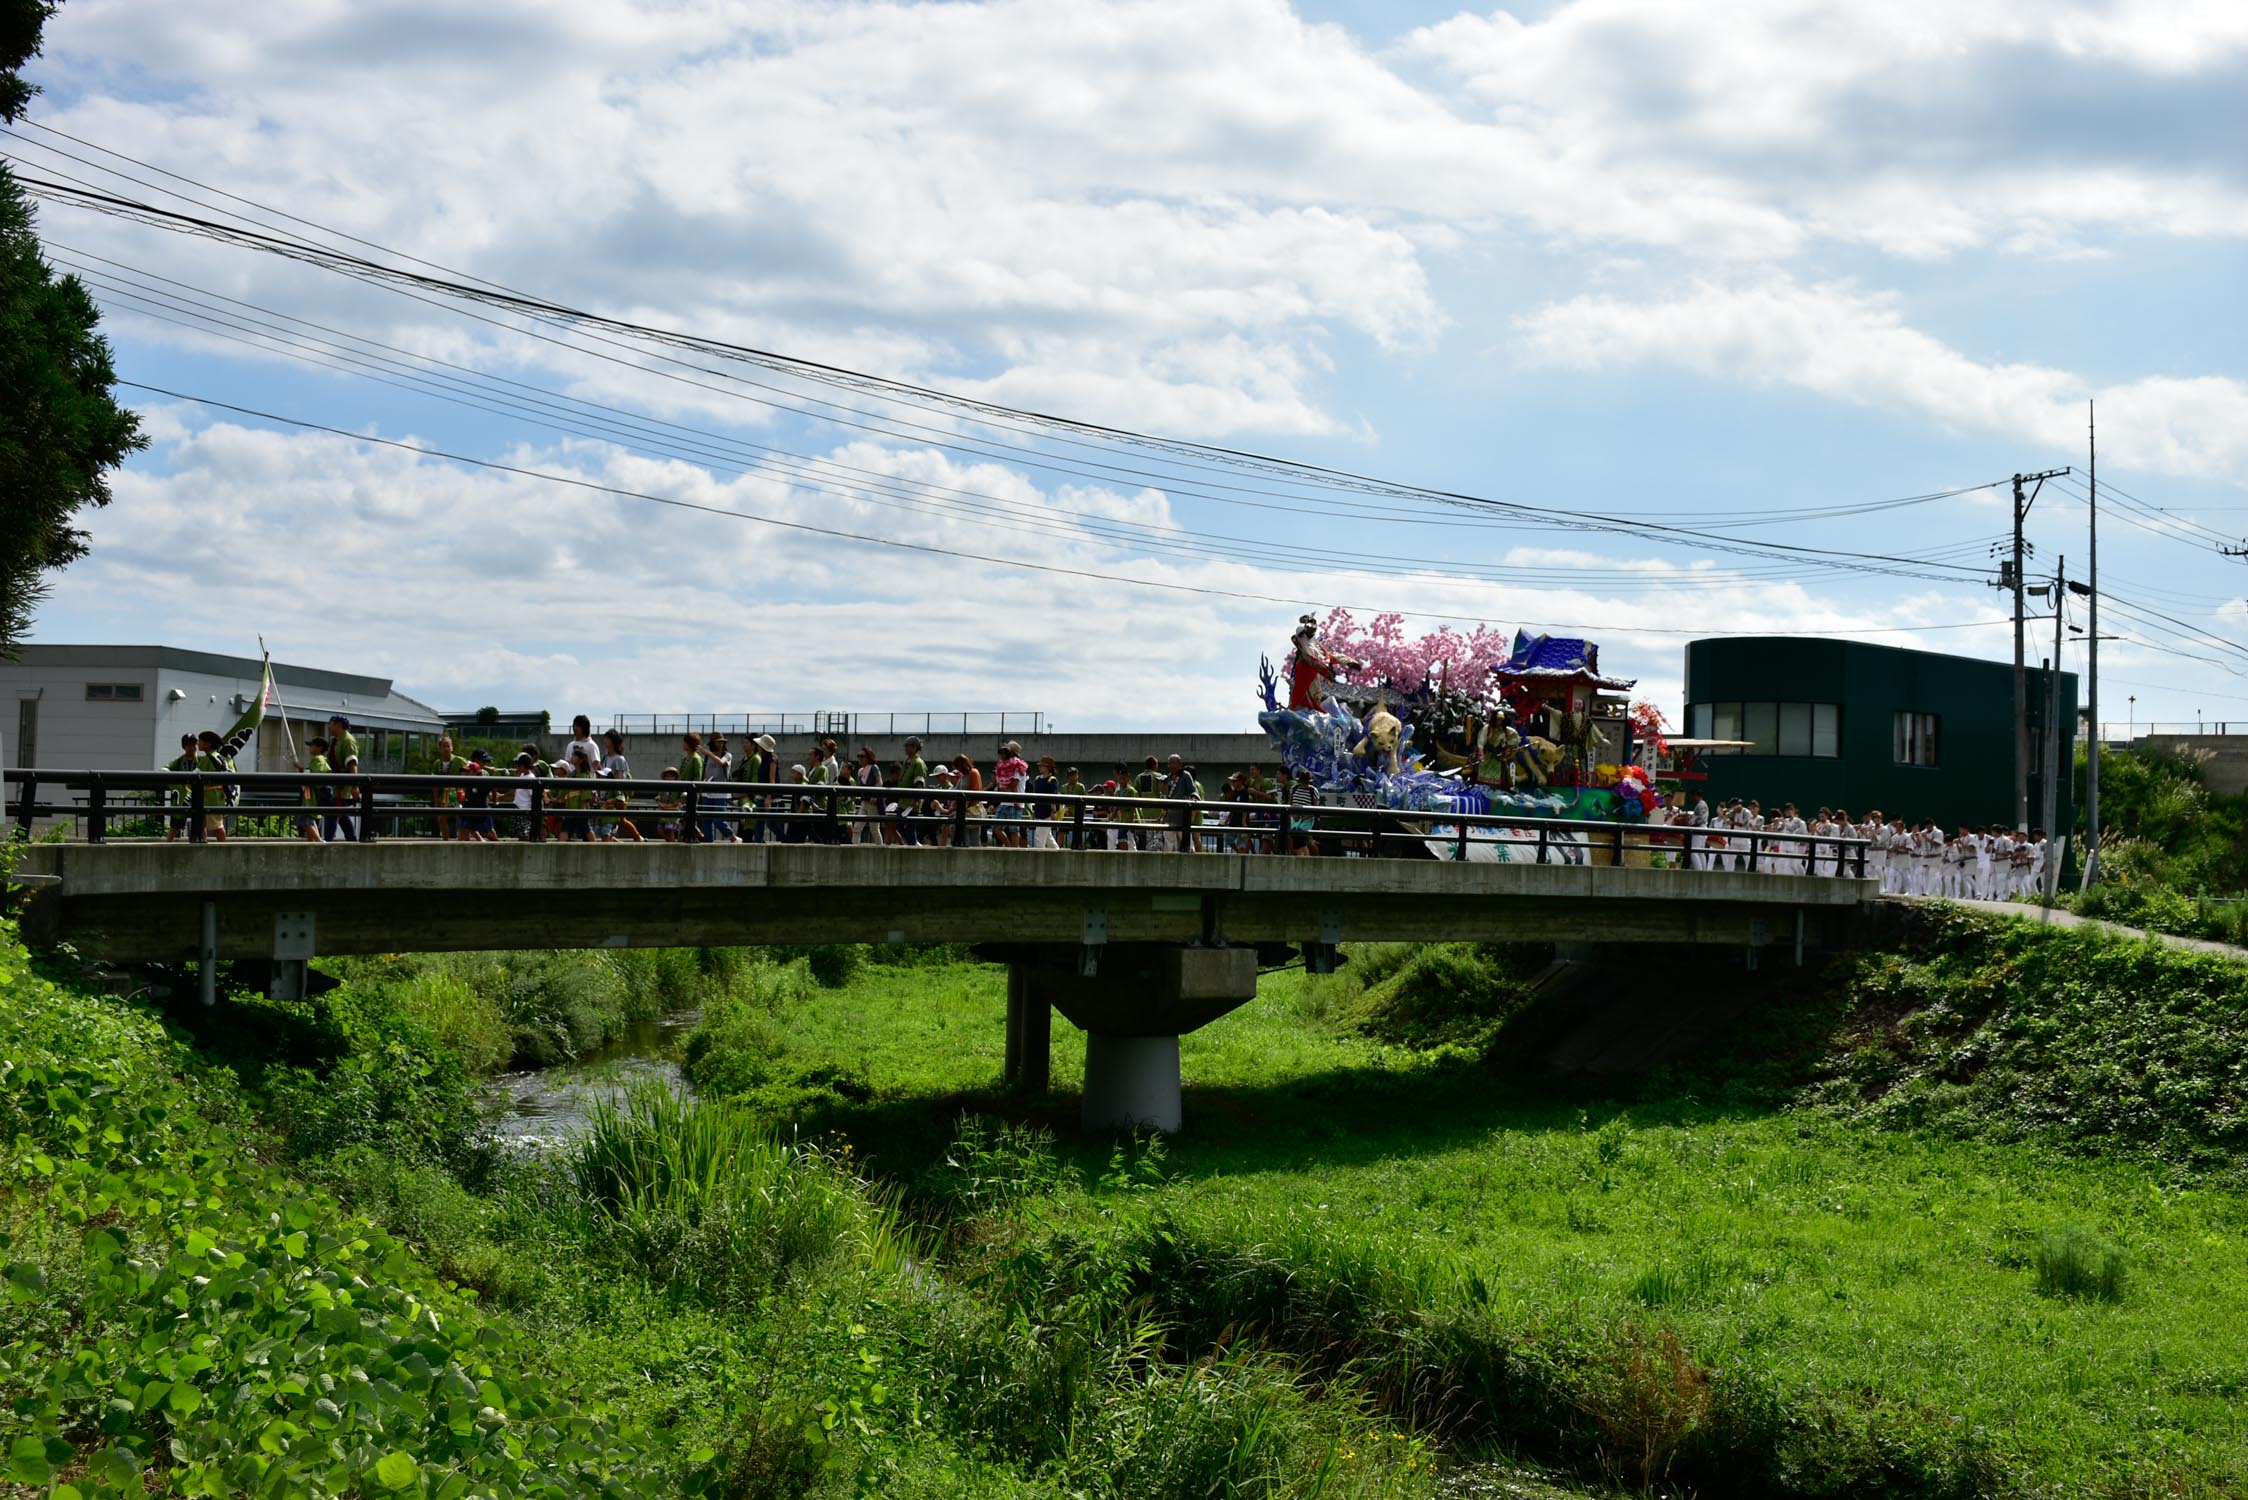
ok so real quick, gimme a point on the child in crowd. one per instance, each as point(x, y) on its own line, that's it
point(474, 826)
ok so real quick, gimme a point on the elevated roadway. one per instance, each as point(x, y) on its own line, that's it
point(143, 902)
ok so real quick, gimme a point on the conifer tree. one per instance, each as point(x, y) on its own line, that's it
point(60, 430)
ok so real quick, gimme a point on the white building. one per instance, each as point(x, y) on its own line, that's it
point(113, 708)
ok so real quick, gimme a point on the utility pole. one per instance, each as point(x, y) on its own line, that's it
point(2091, 862)
point(2014, 580)
point(2053, 770)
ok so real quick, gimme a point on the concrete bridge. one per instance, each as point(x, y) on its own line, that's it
point(1133, 948)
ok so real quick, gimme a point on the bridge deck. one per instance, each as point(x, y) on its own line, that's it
point(132, 902)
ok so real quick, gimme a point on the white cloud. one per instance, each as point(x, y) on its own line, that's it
point(1202, 217)
point(474, 587)
point(1922, 127)
point(1855, 347)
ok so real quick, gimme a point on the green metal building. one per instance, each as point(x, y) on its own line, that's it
point(1843, 724)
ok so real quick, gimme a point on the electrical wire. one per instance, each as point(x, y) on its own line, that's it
point(862, 381)
point(1690, 537)
point(541, 411)
point(621, 492)
point(524, 401)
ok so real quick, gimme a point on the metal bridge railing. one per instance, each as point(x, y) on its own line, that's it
point(842, 724)
point(105, 806)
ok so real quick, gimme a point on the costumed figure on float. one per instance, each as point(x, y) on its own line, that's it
point(1451, 724)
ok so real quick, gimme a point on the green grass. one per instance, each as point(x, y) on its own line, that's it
point(1959, 1217)
point(1882, 1286)
point(687, 1303)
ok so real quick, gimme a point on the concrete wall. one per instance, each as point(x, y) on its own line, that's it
point(2223, 758)
point(184, 692)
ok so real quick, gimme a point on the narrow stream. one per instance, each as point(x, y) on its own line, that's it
point(545, 1107)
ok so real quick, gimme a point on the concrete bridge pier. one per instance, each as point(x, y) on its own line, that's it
point(1133, 1001)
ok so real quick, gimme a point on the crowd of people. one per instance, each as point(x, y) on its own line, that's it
point(1992, 863)
point(714, 793)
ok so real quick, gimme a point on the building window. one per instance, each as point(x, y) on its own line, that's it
point(1916, 738)
point(1826, 730)
point(113, 692)
point(1760, 725)
point(1798, 729)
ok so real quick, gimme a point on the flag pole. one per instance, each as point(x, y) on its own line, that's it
point(275, 684)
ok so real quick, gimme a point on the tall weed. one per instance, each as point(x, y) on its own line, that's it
point(2074, 1262)
point(699, 1192)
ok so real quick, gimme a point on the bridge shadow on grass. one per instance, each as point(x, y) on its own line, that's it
point(1337, 1117)
point(1745, 1064)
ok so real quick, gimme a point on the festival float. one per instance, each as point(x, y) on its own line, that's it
point(1446, 724)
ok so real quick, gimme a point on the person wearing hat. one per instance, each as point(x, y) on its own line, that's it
point(761, 766)
point(343, 745)
point(939, 810)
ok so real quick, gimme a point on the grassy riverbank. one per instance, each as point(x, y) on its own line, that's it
point(1961, 1217)
point(206, 1297)
point(1867, 1239)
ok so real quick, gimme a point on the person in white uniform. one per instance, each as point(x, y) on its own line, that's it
point(1974, 862)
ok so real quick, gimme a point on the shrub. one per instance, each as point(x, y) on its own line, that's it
point(736, 1048)
point(459, 1017)
point(1439, 993)
point(395, 1088)
point(2073, 1262)
point(227, 1330)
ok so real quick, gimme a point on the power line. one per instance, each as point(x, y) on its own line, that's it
point(839, 534)
point(853, 379)
point(548, 410)
point(1696, 538)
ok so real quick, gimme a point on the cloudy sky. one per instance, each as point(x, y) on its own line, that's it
point(1748, 272)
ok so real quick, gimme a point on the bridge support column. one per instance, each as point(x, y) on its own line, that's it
point(207, 956)
point(1133, 1008)
point(1131, 1082)
point(1030, 1032)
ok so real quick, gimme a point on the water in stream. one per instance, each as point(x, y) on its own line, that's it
point(545, 1107)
